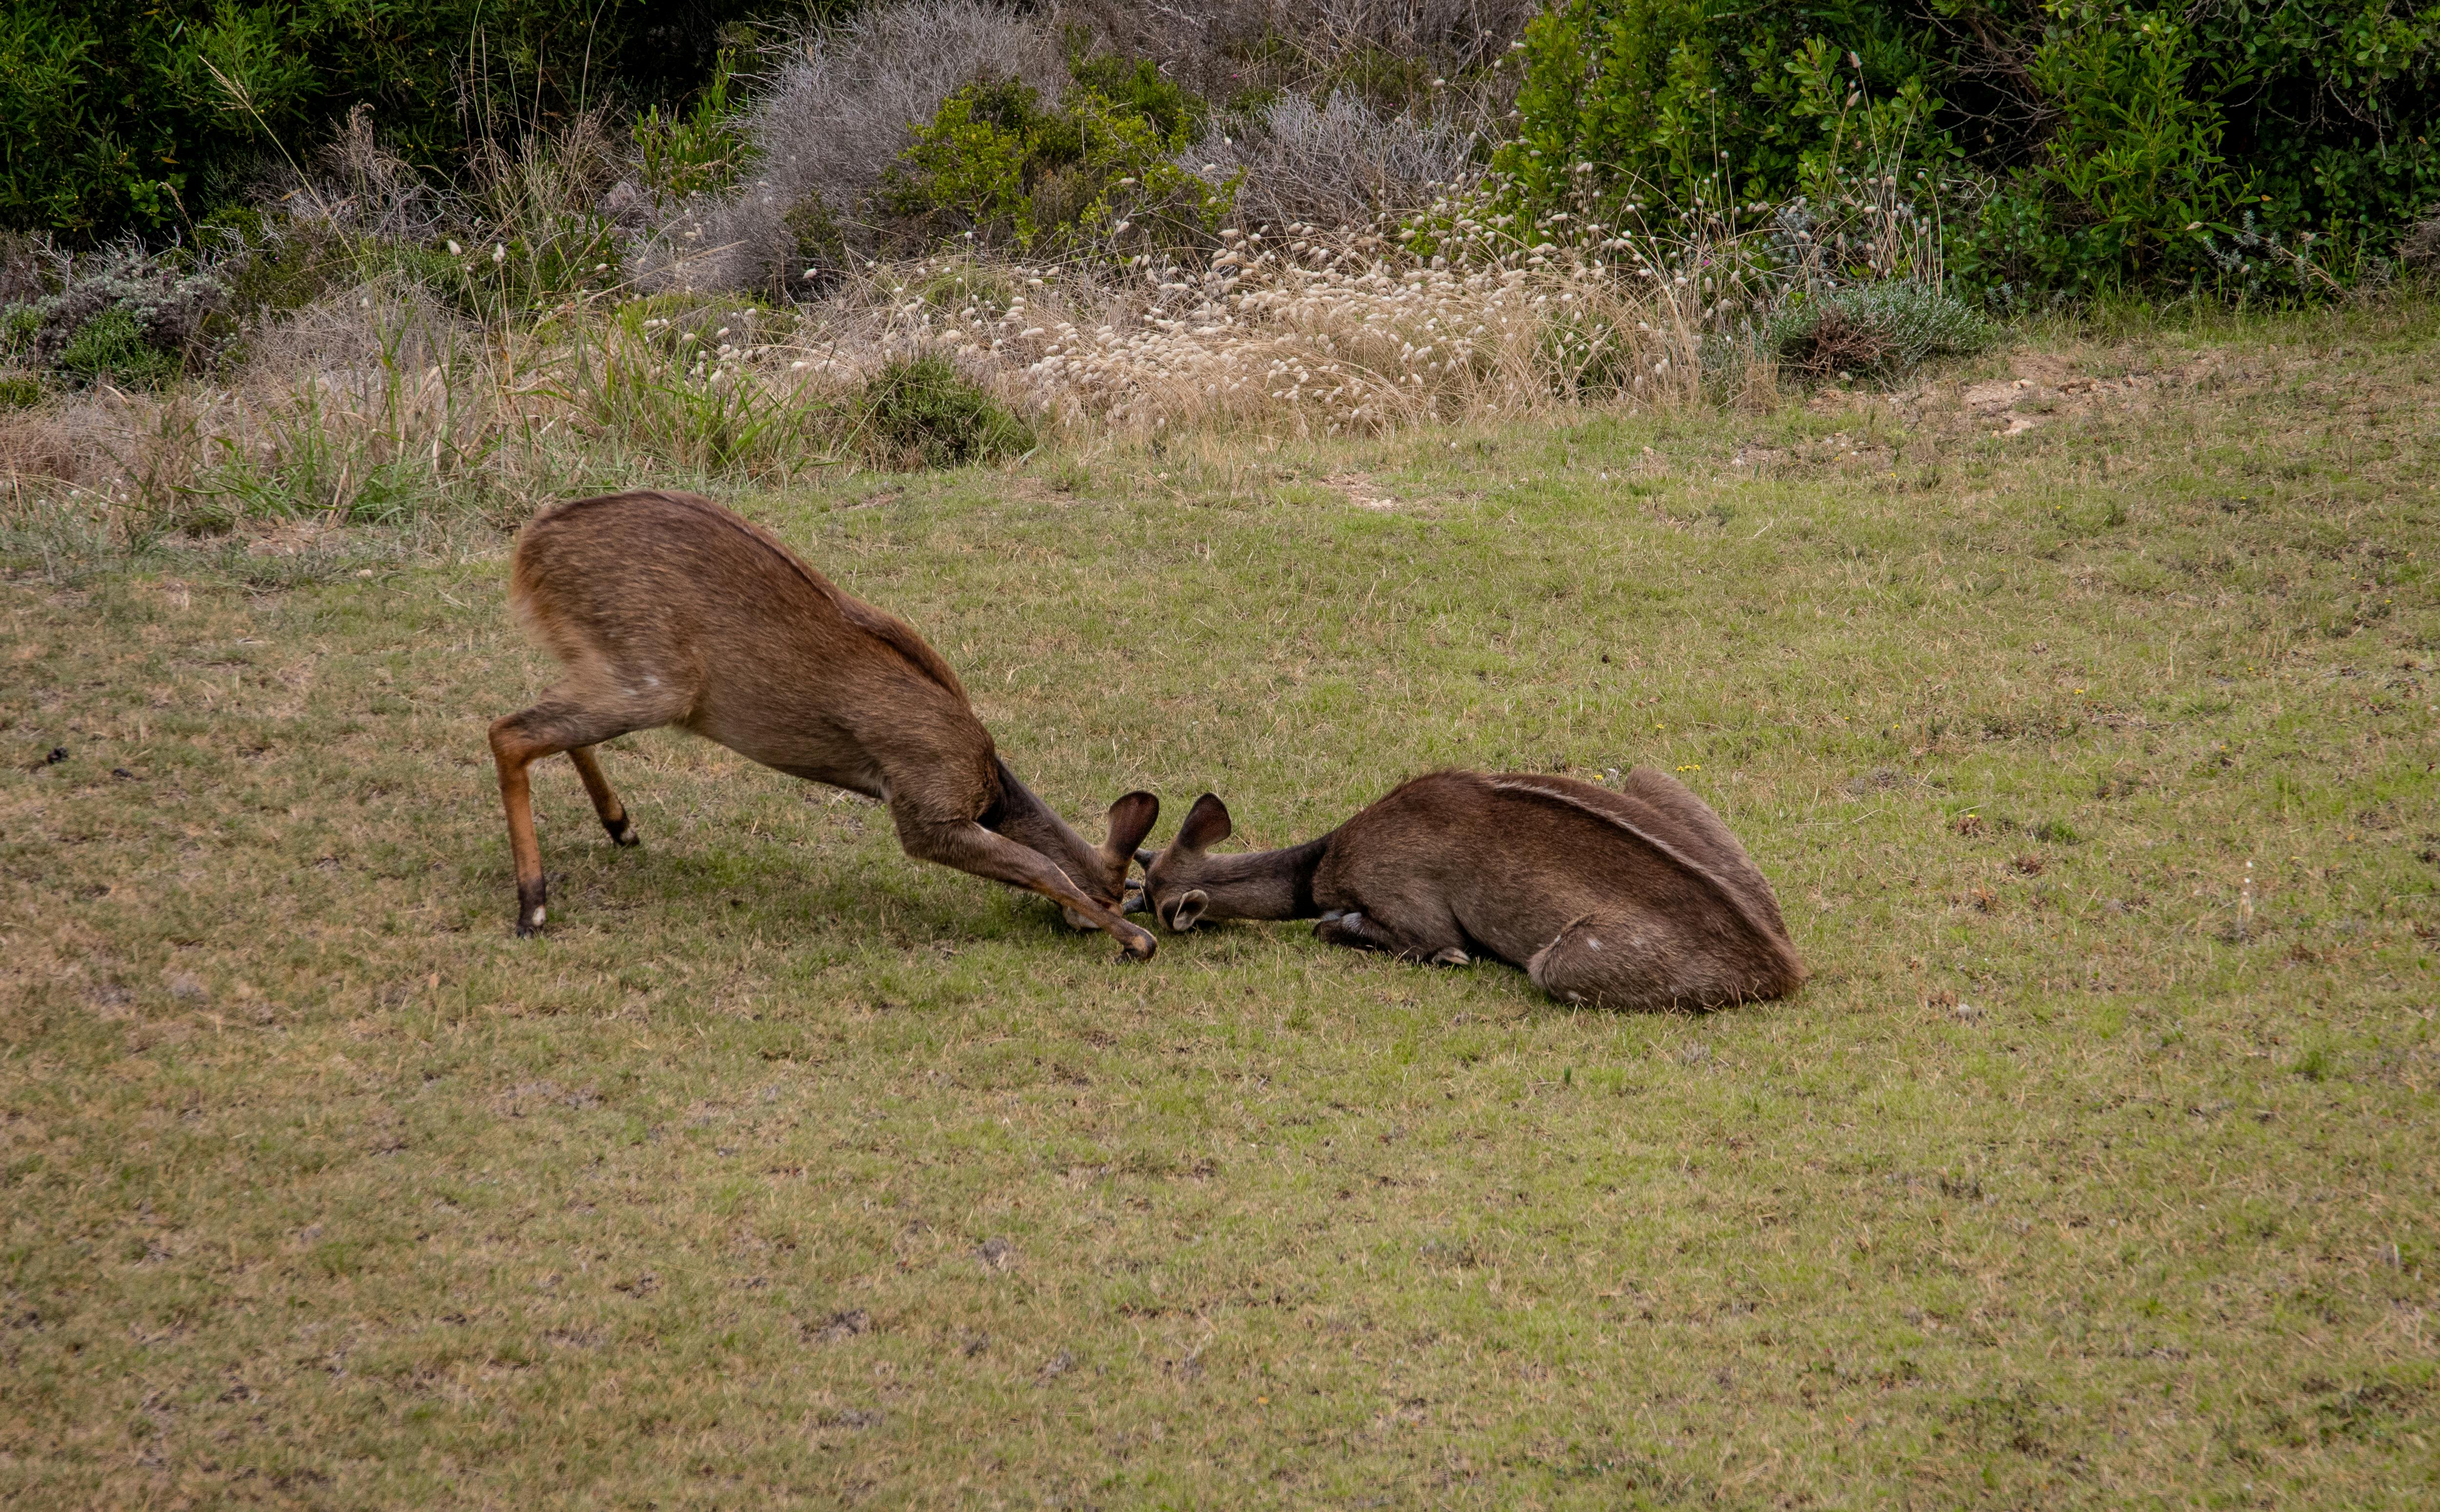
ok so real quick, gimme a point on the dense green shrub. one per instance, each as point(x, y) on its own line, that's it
point(2080, 145)
point(974, 163)
point(1136, 86)
point(1694, 102)
point(122, 116)
point(922, 409)
point(997, 165)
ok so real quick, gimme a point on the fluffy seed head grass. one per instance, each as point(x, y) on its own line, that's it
point(1460, 314)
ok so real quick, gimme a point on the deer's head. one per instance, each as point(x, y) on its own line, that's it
point(1173, 881)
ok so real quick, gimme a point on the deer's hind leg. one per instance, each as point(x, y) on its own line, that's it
point(605, 803)
point(1623, 958)
point(558, 722)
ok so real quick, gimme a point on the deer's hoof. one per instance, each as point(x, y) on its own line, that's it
point(530, 921)
point(1137, 945)
point(624, 831)
point(1452, 957)
point(1341, 929)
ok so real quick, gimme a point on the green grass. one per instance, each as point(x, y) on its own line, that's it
point(787, 1170)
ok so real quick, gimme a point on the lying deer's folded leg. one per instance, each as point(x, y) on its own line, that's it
point(1437, 942)
point(970, 847)
point(1616, 959)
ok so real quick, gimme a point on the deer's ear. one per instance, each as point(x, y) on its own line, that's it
point(1207, 825)
point(1131, 819)
point(1189, 910)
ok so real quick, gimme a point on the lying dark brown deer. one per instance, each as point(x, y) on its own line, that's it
point(1634, 897)
point(666, 608)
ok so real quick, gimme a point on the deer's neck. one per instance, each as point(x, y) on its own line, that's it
point(1026, 819)
point(1266, 885)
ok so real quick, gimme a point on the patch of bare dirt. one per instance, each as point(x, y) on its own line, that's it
point(2046, 386)
point(295, 537)
point(1844, 451)
point(1360, 491)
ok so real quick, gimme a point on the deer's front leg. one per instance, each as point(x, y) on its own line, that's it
point(1361, 931)
point(970, 847)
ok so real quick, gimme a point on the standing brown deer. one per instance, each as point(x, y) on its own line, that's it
point(1635, 896)
point(666, 608)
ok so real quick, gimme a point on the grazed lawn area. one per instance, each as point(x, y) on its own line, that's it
point(785, 1170)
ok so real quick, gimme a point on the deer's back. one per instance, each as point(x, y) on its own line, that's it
point(1517, 856)
point(670, 600)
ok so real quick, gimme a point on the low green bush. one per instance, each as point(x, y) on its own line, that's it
point(1876, 330)
point(112, 346)
point(21, 328)
point(126, 315)
point(1137, 86)
point(922, 409)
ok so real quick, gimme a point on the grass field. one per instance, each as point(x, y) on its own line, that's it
point(787, 1171)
